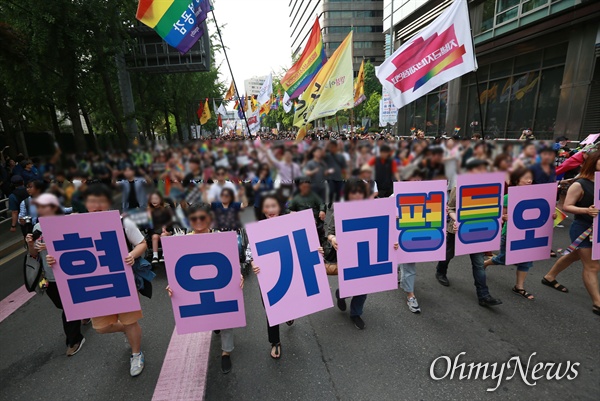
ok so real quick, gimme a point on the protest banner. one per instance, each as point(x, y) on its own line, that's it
point(479, 212)
point(530, 224)
point(90, 272)
point(366, 233)
point(292, 277)
point(420, 208)
point(203, 271)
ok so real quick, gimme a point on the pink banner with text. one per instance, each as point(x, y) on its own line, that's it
point(479, 212)
point(203, 271)
point(596, 226)
point(292, 277)
point(365, 232)
point(420, 208)
point(530, 223)
point(92, 277)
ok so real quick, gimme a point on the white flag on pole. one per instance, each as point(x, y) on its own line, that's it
point(287, 103)
point(254, 121)
point(266, 90)
point(441, 52)
point(222, 110)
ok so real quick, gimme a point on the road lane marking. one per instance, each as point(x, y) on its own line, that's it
point(14, 301)
point(183, 373)
point(13, 255)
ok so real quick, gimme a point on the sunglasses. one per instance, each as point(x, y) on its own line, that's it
point(201, 217)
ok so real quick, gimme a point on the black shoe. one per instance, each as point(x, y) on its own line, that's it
point(341, 302)
point(490, 301)
point(154, 261)
point(225, 364)
point(217, 332)
point(442, 279)
point(358, 322)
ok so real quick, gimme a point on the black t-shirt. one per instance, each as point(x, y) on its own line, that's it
point(132, 200)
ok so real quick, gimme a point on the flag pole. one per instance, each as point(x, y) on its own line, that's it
point(237, 93)
point(476, 77)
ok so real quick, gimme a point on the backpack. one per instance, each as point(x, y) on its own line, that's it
point(32, 273)
point(142, 271)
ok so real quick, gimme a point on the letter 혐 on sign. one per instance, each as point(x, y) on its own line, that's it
point(292, 277)
point(366, 233)
point(421, 220)
point(92, 277)
point(479, 212)
point(204, 273)
point(530, 224)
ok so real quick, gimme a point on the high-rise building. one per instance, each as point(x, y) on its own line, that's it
point(337, 18)
point(539, 68)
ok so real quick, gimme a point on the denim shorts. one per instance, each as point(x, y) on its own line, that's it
point(500, 258)
point(577, 228)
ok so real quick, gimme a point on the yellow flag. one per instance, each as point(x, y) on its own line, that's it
point(331, 90)
point(231, 92)
point(205, 113)
point(359, 87)
point(254, 104)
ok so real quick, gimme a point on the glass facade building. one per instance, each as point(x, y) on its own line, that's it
point(538, 69)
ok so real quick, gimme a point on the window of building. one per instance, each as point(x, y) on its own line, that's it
point(357, 29)
point(488, 14)
point(427, 113)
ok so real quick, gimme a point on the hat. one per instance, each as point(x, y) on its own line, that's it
point(16, 179)
point(474, 163)
point(366, 167)
point(46, 200)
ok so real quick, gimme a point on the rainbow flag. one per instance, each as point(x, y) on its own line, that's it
point(297, 79)
point(178, 22)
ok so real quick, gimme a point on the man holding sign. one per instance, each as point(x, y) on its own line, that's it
point(98, 198)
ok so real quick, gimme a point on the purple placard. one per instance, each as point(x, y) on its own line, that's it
point(366, 233)
point(596, 233)
point(589, 139)
point(203, 271)
point(292, 277)
point(92, 277)
point(479, 199)
point(530, 223)
point(420, 208)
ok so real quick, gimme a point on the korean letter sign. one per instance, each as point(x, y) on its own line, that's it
point(292, 277)
point(204, 273)
point(92, 277)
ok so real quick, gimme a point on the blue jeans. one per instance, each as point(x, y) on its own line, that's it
point(476, 264)
point(500, 259)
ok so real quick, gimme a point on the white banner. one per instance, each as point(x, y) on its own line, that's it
point(266, 90)
point(388, 112)
point(287, 103)
point(441, 52)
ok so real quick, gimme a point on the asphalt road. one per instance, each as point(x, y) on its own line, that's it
point(324, 356)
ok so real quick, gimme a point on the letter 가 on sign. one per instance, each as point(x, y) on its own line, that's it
point(365, 232)
point(90, 271)
point(292, 277)
point(203, 271)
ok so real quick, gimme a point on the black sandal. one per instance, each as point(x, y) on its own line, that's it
point(277, 348)
point(522, 292)
point(554, 284)
point(552, 254)
point(289, 322)
point(596, 309)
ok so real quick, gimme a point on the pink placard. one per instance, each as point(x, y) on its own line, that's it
point(596, 233)
point(420, 208)
point(366, 233)
point(589, 139)
point(530, 223)
point(92, 277)
point(203, 271)
point(479, 199)
point(292, 277)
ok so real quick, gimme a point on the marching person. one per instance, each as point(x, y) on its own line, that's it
point(48, 205)
point(162, 220)
point(474, 166)
point(200, 218)
point(98, 198)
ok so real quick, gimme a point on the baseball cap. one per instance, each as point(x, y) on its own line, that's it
point(46, 200)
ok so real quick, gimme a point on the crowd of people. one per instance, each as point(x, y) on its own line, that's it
point(205, 185)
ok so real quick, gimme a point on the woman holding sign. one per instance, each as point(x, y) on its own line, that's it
point(271, 208)
point(580, 202)
point(200, 218)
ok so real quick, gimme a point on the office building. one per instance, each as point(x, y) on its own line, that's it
point(538, 68)
point(337, 18)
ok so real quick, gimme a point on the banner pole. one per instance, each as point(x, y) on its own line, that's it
point(482, 120)
point(237, 92)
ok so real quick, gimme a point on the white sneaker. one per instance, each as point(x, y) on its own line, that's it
point(413, 305)
point(137, 364)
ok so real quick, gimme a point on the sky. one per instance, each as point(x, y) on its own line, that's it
point(257, 38)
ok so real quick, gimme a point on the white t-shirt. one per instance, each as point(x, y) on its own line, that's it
point(214, 192)
point(132, 232)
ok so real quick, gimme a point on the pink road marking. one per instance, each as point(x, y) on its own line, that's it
point(14, 301)
point(183, 373)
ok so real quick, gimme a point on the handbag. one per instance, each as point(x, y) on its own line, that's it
point(32, 272)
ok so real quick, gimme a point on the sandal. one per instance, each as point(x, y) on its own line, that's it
point(276, 351)
point(596, 309)
point(522, 292)
point(289, 322)
point(554, 284)
point(552, 254)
